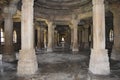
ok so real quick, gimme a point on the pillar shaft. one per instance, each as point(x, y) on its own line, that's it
point(99, 56)
point(27, 25)
point(71, 38)
point(9, 54)
point(38, 38)
point(75, 36)
point(50, 36)
point(45, 38)
point(27, 63)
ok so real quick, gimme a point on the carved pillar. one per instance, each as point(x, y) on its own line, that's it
point(50, 37)
point(75, 35)
point(99, 55)
point(27, 63)
point(116, 47)
point(9, 55)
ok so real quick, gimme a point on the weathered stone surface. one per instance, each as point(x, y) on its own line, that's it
point(99, 62)
point(27, 64)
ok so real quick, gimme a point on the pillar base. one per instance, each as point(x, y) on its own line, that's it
point(8, 57)
point(27, 64)
point(99, 62)
point(115, 55)
point(75, 50)
point(49, 50)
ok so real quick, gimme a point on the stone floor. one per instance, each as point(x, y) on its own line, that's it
point(62, 65)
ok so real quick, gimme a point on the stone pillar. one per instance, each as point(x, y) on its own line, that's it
point(45, 38)
point(50, 37)
point(75, 36)
point(71, 37)
point(80, 36)
point(86, 44)
point(115, 55)
point(83, 38)
point(9, 55)
point(53, 36)
point(99, 62)
point(38, 38)
point(27, 63)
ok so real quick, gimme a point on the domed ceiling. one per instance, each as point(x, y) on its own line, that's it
point(58, 7)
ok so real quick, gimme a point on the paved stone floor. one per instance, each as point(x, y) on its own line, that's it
point(60, 66)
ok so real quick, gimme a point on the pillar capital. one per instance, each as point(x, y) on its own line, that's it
point(10, 11)
point(97, 2)
point(49, 23)
point(27, 1)
point(74, 22)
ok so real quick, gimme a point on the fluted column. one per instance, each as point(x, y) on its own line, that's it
point(99, 62)
point(50, 37)
point(27, 63)
point(75, 35)
point(9, 55)
point(115, 55)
